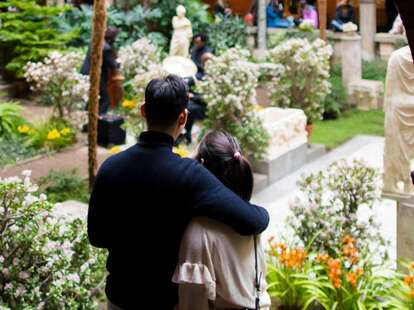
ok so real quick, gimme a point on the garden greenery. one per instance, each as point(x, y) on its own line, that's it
point(305, 82)
point(29, 32)
point(10, 120)
point(229, 89)
point(45, 262)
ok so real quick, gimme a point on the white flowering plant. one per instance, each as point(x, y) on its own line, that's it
point(331, 205)
point(136, 60)
point(305, 81)
point(45, 262)
point(58, 80)
point(229, 89)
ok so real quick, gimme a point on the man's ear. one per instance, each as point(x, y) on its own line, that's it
point(182, 119)
point(143, 114)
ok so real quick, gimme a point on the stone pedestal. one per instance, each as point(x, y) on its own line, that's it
point(262, 28)
point(405, 230)
point(387, 44)
point(368, 27)
point(351, 59)
point(366, 94)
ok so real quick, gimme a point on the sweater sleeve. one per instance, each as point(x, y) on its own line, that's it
point(98, 212)
point(210, 198)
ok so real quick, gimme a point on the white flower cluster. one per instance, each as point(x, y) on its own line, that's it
point(41, 256)
point(331, 204)
point(138, 58)
point(229, 89)
point(304, 83)
point(58, 79)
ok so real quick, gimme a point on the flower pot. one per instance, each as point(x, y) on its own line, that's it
point(309, 130)
point(110, 131)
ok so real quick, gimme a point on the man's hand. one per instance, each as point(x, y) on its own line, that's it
point(190, 95)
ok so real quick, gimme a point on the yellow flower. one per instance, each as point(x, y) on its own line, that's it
point(23, 129)
point(53, 135)
point(114, 150)
point(65, 131)
point(180, 151)
point(129, 104)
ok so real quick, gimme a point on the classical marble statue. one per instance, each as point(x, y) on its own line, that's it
point(399, 123)
point(182, 35)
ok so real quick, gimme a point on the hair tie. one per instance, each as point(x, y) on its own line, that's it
point(237, 156)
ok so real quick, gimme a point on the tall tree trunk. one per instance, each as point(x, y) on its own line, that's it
point(98, 37)
point(323, 12)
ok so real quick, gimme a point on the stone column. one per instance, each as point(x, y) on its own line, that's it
point(368, 27)
point(405, 230)
point(261, 29)
point(351, 59)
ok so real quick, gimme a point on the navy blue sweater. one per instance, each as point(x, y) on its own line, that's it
point(141, 203)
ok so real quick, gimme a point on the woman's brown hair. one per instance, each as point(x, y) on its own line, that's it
point(221, 154)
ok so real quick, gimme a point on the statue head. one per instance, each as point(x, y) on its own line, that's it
point(181, 11)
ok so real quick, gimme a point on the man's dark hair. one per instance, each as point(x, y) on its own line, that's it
point(202, 36)
point(165, 99)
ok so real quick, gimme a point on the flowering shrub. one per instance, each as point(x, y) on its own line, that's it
point(45, 263)
point(304, 84)
point(286, 271)
point(229, 89)
point(57, 79)
point(330, 204)
point(137, 59)
point(52, 134)
point(302, 280)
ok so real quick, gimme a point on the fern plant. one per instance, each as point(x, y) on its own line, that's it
point(10, 119)
point(29, 32)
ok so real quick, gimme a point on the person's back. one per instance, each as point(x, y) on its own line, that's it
point(216, 268)
point(143, 199)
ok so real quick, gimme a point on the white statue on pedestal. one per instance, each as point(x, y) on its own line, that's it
point(399, 123)
point(182, 35)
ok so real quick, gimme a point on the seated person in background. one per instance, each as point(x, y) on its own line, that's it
point(199, 51)
point(344, 14)
point(397, 26)
point(217, 269)
point(221, 8)
point(309, 13)
point(274, 16)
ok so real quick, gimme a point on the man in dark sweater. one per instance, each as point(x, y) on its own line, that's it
point(143, 199)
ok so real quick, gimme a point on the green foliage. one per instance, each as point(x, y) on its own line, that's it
point(227, 33)
point(197, 13)
point(284, 35)
point(133, 24)
point(333, 133)
point(336, 101)
point(374, 70)
point(10, 119)
point(29, 32)
point(12, 151)
point(60, 186)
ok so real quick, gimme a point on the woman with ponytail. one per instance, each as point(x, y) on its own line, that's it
point(218, 268)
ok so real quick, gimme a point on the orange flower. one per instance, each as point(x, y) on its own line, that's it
point(360, 272)
point(322, 258)
point(335, 272)
point(412, 293)
point(409, 280)
point(351, 277)
point(292, 258)
point(411, 265)
point(348, 240)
